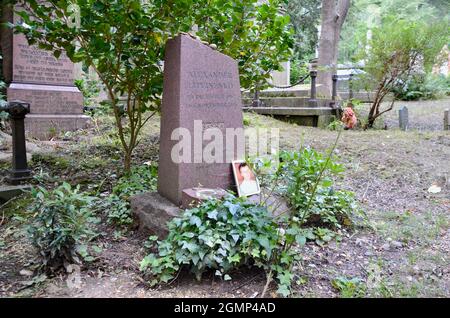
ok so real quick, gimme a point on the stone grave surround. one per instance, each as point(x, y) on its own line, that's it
point(35, 76)
point(199, 84)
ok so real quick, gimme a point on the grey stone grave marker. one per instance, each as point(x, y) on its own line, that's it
point(403, 118)
point(447, 119)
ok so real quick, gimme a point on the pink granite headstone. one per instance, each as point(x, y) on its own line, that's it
point(35, 76)
point(200, 84)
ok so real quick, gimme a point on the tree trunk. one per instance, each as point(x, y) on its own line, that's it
point(333, 14)
point(127, 161)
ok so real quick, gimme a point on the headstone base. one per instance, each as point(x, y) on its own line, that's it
point(153, 212)
point(54, 109)
point(46, 126)
point(48, 99)
point(194, 196)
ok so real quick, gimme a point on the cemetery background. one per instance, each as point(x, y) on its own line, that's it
point(407, 249)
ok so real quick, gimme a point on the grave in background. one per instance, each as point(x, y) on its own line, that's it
point(35, 76)
point(403, 118)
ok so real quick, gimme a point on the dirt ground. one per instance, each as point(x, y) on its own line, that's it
point(403, 252)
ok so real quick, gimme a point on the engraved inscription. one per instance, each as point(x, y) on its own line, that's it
point(32, 65)
point(210, 89)
point(208, 125)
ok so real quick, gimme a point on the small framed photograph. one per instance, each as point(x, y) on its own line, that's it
point(246, 181)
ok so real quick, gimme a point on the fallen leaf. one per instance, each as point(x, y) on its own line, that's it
point(26, 272)
point(434, 189)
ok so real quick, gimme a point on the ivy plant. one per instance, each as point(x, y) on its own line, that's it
point(217, 235)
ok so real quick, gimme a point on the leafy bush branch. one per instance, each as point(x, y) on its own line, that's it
point(62, 222)
point(124, 42)
point(399, 49)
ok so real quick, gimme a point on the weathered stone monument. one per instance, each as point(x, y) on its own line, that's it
point(35, 76)
point(201, 97)
point(201, 91)
point(403, 118)
point(447, 119)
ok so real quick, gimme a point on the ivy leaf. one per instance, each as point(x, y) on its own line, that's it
point(191, 247)
point(300, 239)
point(195, 259)
point(222, 251)
point(264, 242)
point(283, 290)
point(233, 208)
point(195, 220)
point(235, 237)
point(208, 240)
point(236, 258)
point(189, 234)
point(213, 214)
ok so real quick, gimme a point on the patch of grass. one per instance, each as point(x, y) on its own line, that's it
point(413, 256)
point(93, 162)
point(408, 226)
point(252, 120)
point(401, 280)
point(349, 287)
point(50, 159)
point(18, 206)
point(427, 286)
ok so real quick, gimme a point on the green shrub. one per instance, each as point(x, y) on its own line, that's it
point(336, 124)
point(217, 235)
point(298, 70)
point(141, 179)
point(424, 87)
point(62, 220)
point(316, 211)
point(90, 89)
point(309, 190)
